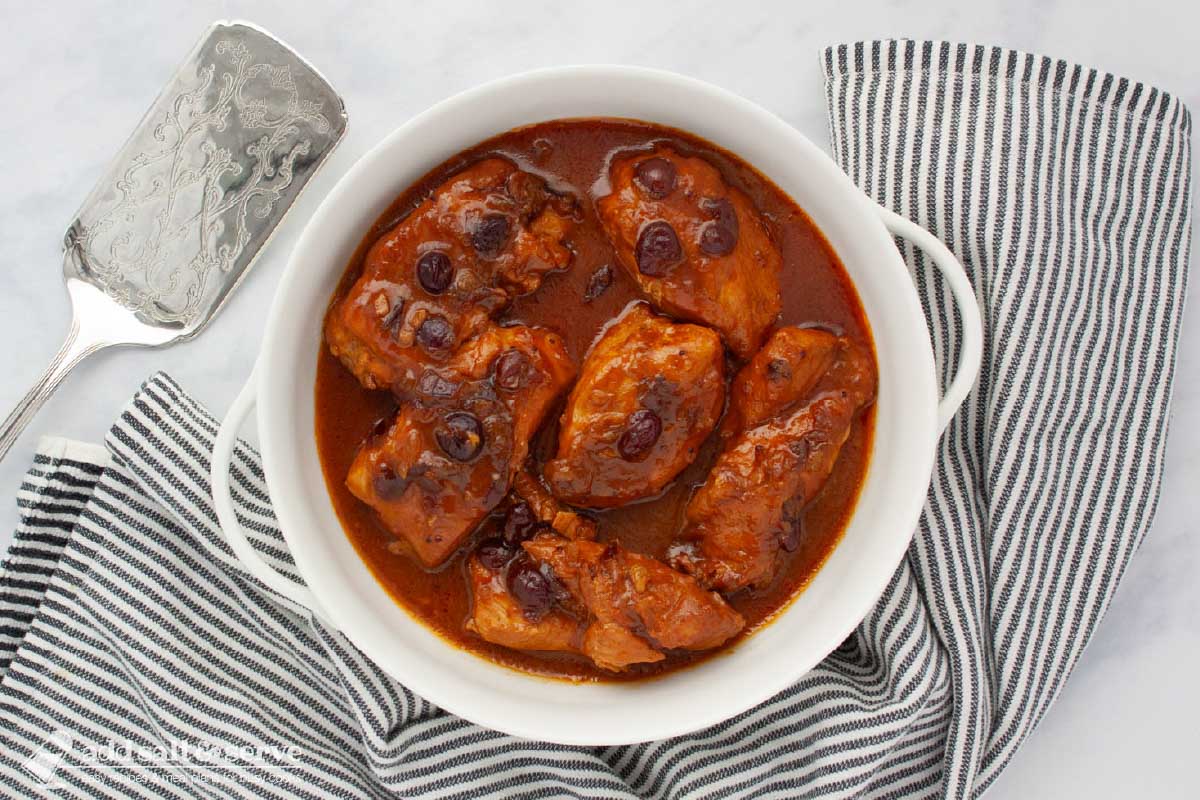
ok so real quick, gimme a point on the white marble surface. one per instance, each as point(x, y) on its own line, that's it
point(76, 80)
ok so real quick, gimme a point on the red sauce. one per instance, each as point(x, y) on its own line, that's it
point(573, 155)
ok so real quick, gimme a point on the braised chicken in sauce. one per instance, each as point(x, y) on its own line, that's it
point(637, 607)
point(750, 509)
point(452, 451)
point(498, 617)
point(696, 246)
point(648, 395)
point(434, 281)
point(594, 400)
point(779, 375)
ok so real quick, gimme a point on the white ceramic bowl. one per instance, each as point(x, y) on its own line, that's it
point(909, 418)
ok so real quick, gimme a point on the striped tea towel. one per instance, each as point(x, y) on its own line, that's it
point(138, 660)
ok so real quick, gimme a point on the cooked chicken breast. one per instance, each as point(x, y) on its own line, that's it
point(749, 508)
point(697, 247)
point(451, 454)
point(486, 235)
point(649, 393)
point(638, 606)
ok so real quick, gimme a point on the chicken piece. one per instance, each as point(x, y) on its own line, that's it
point(638, 606)
point(527, 369)
point(450, 455)
point(650, 391)
point(749, 508)
point(696, 246)
point(497, 617)
point(781, 374)
point(486, 235)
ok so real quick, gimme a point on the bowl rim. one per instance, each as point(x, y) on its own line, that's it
point(458, 699)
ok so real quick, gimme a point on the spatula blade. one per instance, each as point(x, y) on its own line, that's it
point(178, 217)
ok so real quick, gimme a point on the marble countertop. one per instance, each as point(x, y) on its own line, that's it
point(77, 80)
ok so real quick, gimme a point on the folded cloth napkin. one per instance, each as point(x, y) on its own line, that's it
point(139, 660)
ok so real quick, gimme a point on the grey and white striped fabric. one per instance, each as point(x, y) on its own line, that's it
point(125, 618)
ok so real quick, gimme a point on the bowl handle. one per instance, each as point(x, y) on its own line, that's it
point(971, 356)
point(223, 500)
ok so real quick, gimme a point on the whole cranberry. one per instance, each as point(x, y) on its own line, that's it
point(435, 334)
point(460, 435)
point(530, 588)
point(719, 236)
point(512, 370)
point(490, 235)
point(656, 176)
point(642, 432)
point(658, 249)
point(435, 272)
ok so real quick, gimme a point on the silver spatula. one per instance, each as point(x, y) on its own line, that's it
point(178, 218)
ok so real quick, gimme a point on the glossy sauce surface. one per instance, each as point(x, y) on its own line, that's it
point(578, 303)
